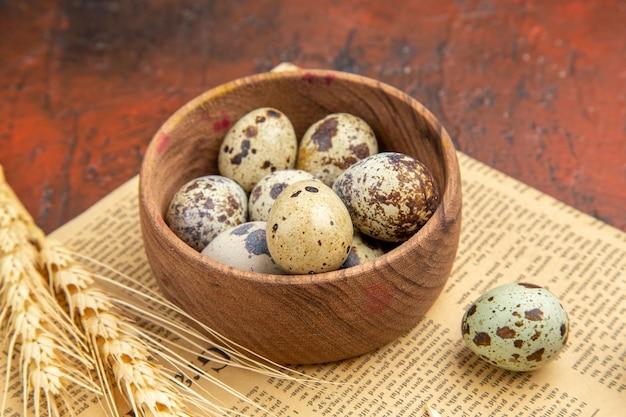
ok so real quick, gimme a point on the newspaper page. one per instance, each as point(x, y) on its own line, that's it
point(511, 232)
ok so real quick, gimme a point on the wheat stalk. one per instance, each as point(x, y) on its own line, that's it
point(50, 355)
point(240, 356)
point(123, 351)
point(48, 362)
point(89, 304)
point(120, 351)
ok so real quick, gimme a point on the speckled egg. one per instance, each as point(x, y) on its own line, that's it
point(261, 142)
point(204, 207)
point(364, 249)
point(267, 190)
point(390, 196)
point(309, 229)
point(518, 327)
point(243, 247)
point(333, 144)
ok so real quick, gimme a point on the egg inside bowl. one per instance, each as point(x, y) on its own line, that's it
point(302, 318)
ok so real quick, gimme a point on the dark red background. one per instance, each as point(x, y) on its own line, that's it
point(536, 89)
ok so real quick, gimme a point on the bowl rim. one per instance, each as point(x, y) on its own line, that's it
point(151, 214)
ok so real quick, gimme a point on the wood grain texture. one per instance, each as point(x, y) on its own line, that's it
point(533, 88)
point(302, 318)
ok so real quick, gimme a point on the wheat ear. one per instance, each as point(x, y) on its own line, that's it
point(46, 359)
point(125, 349)
point(239, 356)
point(50, 358)
point(119, 349)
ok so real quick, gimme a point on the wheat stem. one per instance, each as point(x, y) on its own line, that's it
point(122, 346)
point(50, 355)
point(117, 341)
point(117, 349)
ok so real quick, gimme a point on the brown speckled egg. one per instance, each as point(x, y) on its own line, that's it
point(309, 229)
point(243, 247)
point(333, 144)
point(518, 327)
point(364, 249)
point(261, 142)
point(267, 190)
point(390, 196)
point(204, 207)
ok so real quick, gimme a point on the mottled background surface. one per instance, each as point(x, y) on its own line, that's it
point(536, 89)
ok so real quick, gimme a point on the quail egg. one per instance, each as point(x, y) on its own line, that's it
point(333, 144)
point(364, 249)
point(309, 229)
point(260, 142)
point(390, 196)
point(243, 247)
point(267, 190)
point(518, 327)
point(204, 207)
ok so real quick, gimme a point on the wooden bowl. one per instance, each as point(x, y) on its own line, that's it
point(300, 319)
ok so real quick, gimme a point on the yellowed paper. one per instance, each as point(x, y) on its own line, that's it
point(510, 232)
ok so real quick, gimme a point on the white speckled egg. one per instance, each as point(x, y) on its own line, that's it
point(261, 142)
point(267, 190)
point(309, 229)
point(333, 144)
point(204, 207)
point(364, 249)
point(390, 196)
point(243, 247)
point(518, 327)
